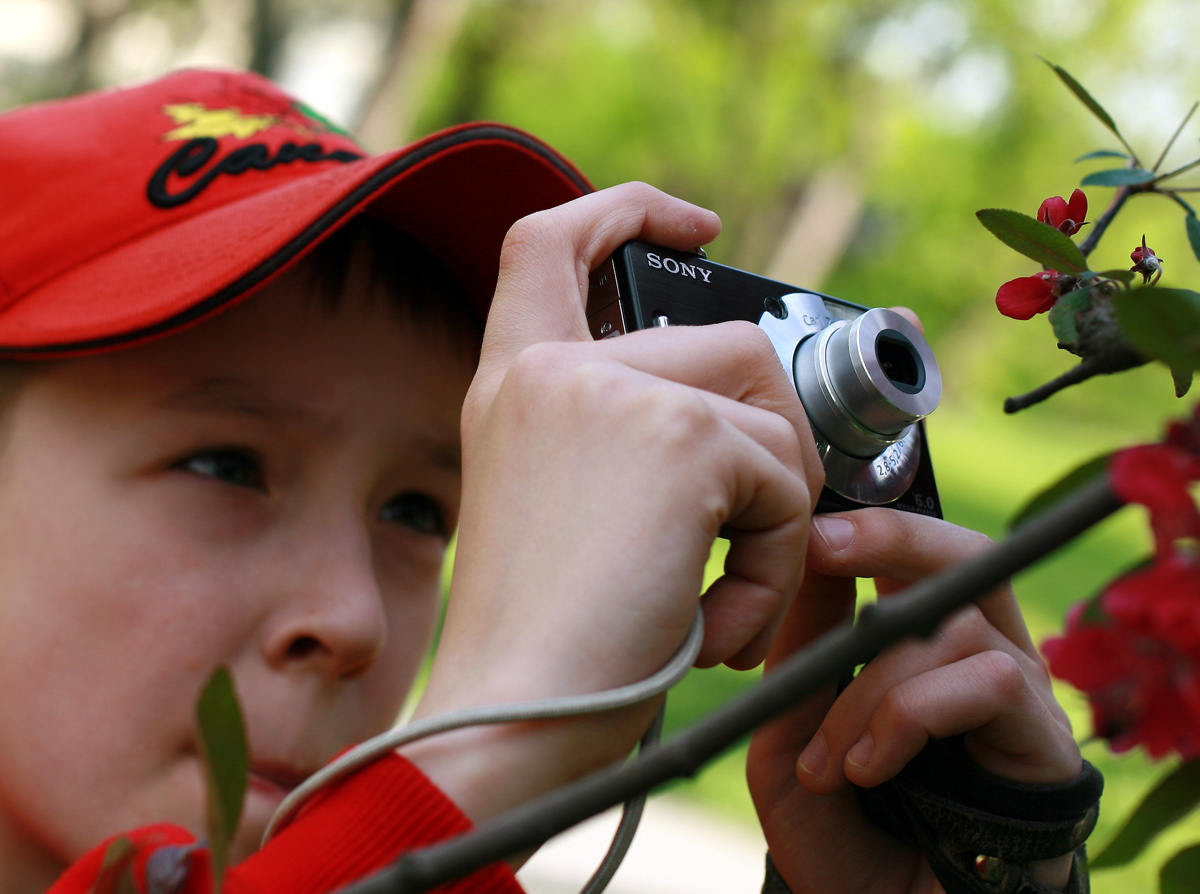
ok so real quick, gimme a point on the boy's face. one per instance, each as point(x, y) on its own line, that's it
point(271, 490)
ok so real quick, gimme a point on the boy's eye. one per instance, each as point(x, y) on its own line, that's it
point(234, 467)
point(417, 511)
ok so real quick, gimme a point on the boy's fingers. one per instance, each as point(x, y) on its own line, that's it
point(911, 315)
point(987, 694)
point(966, 633)
point(824, 602)
point(735, 360)
point(768, 529)
point(903, 547)
point(546, 259)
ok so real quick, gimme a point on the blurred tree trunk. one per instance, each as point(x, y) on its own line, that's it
point(822, 224)
point(422, 34)
point(480, 48)
point(267, 33)
point(76, 71)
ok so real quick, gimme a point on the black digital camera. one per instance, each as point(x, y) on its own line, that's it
point(866, 376)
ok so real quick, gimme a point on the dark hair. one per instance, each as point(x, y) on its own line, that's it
point(410, 277)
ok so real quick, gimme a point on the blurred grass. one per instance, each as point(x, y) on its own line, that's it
point(988, 465)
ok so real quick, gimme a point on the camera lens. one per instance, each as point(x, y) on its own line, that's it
point(864, 383)
point(865, 377)
point(900, 361)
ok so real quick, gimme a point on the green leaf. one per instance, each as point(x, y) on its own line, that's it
point(1102, 153)
point(1118, 177)
point(1121, 275)
point(116, 869)
point(1176, 795)
point(1182, 379)
point(1093, 613)
point(1086, 98)
point(1181, 874)
point(1066, 311)
point(1174, 197)
point(226, 760)
point(1162, 323)
point(1192, 225)
point(1034, 239)
point(1061, 489)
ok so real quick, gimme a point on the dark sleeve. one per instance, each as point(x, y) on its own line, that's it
point(352, 829)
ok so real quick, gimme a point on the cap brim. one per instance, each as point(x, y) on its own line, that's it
point(456, 192)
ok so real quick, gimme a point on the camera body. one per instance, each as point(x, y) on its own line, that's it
point(866, 376)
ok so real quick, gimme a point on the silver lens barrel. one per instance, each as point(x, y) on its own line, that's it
point(866, 381)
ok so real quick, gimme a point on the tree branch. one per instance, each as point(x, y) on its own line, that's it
point(916, 612)
point(1081, 372)
point(1105, 219)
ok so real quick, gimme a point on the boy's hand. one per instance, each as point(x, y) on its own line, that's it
point(596, 476)
point(979, 675)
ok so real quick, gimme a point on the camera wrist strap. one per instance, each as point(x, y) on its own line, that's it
point(656, 684)
point(978, 831)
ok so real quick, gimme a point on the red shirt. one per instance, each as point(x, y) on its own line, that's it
point(350, 830)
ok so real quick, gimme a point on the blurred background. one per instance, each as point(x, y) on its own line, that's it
point(847, 145)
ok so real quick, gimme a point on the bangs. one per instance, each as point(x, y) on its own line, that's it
point(387, 264)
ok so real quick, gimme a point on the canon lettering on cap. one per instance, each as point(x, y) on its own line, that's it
point(126, 214)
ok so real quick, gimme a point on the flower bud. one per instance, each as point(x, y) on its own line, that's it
point(1146, 262)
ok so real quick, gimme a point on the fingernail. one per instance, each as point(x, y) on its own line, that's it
point(815, 757)
point(860, 755)
point(838, 533)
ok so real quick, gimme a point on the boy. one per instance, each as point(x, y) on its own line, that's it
point(225, 443)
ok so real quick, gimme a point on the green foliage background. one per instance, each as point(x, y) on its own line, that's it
point(739, 105)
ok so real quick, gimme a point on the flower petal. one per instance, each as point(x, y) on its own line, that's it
point(1028, 296)
point(1077, 207)
point(1053, 211)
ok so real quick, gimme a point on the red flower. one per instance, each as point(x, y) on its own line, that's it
point(1064, 215)
point(1157, 476)
point(1146, 262)
point(1136, 654)
point(1022, 298)
point(1135, 650)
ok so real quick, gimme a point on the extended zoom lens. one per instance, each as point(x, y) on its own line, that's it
point(865, 382)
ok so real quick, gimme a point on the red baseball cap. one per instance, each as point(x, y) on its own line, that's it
point(127, 214)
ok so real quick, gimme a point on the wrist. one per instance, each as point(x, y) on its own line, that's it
point(490, 769)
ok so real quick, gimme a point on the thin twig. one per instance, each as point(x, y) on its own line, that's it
point(917, 612)
point(1170, 194)
point(1081, 372)
point(1179, 170)
point(1104, 220)
point(1175, 136)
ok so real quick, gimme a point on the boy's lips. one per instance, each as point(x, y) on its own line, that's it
point(276, 777)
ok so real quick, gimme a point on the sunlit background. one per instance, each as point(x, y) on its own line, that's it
point(846, 144)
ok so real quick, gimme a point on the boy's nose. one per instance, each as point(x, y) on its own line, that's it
point(330, 614)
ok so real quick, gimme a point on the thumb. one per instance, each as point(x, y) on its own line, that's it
point(541, 292)
point(823, 603)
